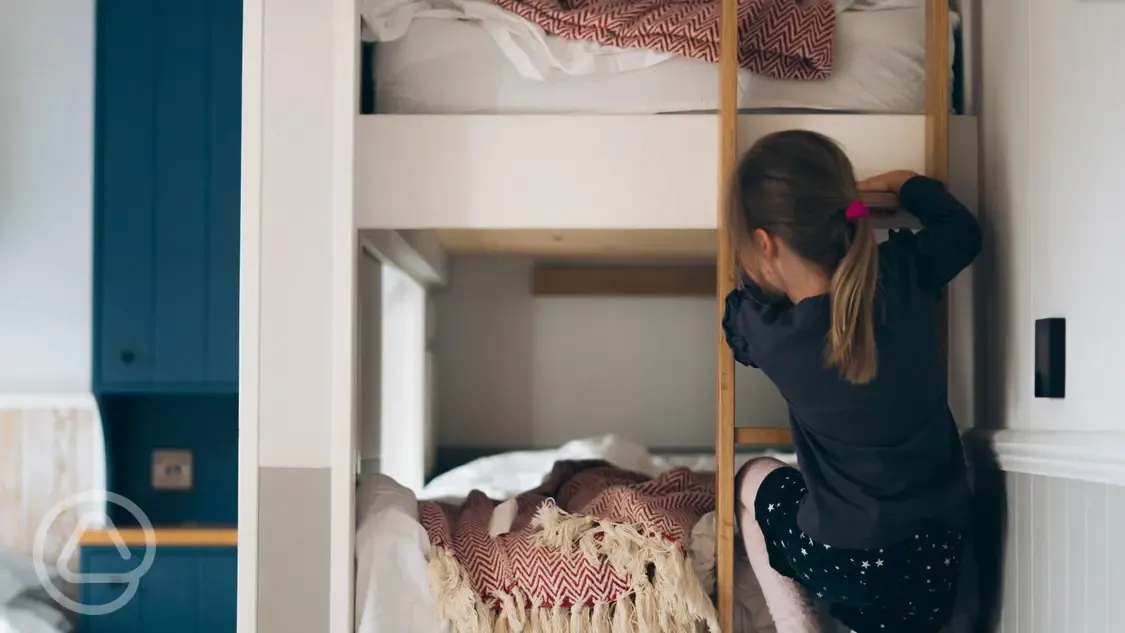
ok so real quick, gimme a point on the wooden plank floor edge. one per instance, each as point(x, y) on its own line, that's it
point(636, 281)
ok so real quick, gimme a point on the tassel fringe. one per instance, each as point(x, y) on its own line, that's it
point(673, 601)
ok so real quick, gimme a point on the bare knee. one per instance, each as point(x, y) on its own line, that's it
point(749, 478)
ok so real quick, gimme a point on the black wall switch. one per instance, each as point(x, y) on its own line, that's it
point(1050, 358)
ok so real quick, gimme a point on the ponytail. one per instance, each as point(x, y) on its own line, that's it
point(851, 334)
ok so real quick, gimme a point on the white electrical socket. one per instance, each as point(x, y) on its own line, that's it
point(171, 469)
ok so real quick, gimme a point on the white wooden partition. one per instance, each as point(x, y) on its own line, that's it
point(297, 404)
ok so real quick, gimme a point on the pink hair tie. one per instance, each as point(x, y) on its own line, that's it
point(856, 211)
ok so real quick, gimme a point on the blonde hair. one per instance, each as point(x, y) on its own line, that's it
point(796, 185)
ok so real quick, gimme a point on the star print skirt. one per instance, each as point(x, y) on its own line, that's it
point(908, 587)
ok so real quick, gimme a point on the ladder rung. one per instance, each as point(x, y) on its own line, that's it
point(886, 213)
point(880, 201)
point(775, 436)
point(897, 220)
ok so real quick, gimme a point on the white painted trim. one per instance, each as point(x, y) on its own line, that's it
point(502, 171)
point(415, 253)
point(345, 288)
point(249, 297)
point(1086, 456)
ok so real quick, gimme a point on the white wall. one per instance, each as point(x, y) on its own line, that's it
point(516, 370)
point(1052, 133)
point(46, 175)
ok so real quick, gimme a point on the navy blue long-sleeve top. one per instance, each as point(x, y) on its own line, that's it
point(881, 460)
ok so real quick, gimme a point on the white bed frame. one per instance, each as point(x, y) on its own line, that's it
point(316, 174)
point(579, 171)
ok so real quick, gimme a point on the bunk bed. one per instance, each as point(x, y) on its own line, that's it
point(483, 135)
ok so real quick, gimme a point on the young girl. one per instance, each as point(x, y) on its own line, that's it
point(874, 521)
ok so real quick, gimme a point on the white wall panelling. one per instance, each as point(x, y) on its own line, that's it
point(1049, 509)
point(1051, 557)
point(1094, 456)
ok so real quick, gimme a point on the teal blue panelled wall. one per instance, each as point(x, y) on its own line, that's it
point(186, 590)
point(168, 94)
point(206, 425)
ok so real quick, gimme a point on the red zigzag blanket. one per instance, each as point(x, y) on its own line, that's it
point(785, 39)
point(594, 548)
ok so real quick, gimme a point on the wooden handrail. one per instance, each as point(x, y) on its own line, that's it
point(725, 280)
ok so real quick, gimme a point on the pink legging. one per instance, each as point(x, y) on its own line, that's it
point(789, 606)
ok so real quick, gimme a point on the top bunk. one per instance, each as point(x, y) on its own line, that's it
point(481, 57)
point(495, 116)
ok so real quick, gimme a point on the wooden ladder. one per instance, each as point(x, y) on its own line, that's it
point(727, 435)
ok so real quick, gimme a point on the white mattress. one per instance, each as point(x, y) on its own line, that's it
point(455, 67)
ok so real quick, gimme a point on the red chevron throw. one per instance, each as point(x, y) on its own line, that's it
point(785, 39)
point(593, 549)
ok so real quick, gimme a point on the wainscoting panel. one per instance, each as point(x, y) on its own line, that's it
point(1052, 553)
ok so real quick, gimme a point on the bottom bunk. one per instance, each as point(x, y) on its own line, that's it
point(404, 581)
point(484, 352)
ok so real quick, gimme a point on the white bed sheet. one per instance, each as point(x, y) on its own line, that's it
point(455, 67)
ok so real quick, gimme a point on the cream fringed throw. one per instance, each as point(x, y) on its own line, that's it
point(594, 549)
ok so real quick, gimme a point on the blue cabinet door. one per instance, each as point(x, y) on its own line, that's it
point(167, 195)
point(122, 620)
point(124, 191)
point(169, 593)
point(186, 590)
point(225, 202)
point(116, 575)
point(218, 590)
